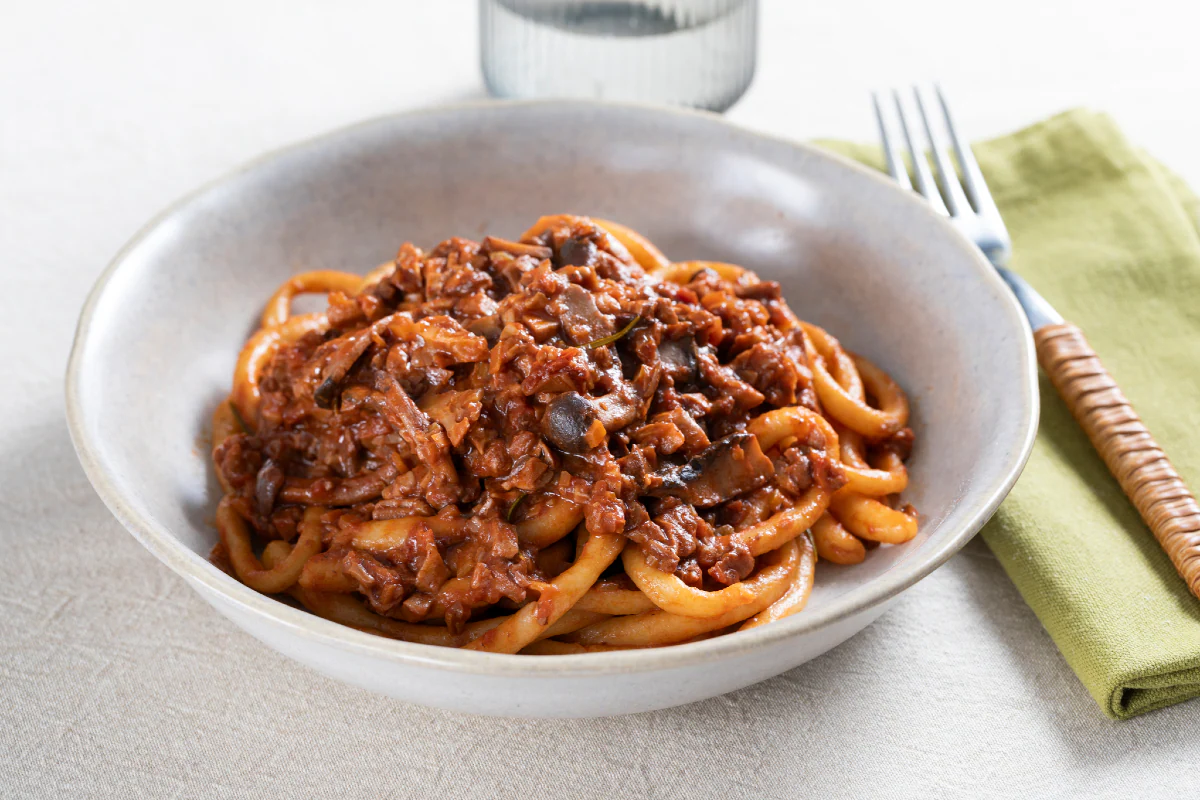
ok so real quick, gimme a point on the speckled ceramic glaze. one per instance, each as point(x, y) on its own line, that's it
point(159, 335)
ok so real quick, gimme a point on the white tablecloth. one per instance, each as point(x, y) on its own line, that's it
point(117, 681)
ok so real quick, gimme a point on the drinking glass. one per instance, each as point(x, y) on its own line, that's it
point(698, 53)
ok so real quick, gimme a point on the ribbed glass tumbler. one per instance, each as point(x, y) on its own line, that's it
point(698, 53)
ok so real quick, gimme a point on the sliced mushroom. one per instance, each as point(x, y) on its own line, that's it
point(678, 357)
point(582, 322)
point(629, 399)
point(726, 381)
point(575, 424)
point(572, 423)
point(727, 468)
point(331, 362)
point(575, 253)
point(494, 244)
point(267, 485)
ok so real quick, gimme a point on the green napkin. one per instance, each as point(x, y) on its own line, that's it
point(1110, 238)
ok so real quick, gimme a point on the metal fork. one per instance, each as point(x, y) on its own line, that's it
point(1102, 410)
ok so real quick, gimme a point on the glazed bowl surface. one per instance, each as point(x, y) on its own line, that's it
point(854, 253)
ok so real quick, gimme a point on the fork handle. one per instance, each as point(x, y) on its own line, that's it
point(1118, 434)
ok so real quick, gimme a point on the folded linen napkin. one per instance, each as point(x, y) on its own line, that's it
point(1112, 240)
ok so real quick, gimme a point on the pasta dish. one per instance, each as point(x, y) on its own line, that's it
point(561, 444)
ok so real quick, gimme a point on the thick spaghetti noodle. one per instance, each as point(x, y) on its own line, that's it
point(562, 444)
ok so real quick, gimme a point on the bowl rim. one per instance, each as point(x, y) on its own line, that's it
point(202, 575)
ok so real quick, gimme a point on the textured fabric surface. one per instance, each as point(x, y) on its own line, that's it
point(1109, 237)
point(117, 681)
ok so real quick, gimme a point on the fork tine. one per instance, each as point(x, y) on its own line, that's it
point(947, 177)
point(895, 162)
point(976, 186)
point(925, 184)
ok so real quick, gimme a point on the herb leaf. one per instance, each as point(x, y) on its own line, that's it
point(607, 340)
point(512, 509)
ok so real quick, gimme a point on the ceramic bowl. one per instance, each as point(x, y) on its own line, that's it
point(160, 332)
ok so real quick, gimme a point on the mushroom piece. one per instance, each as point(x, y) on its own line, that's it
point(576, 424)
point(678, 357)
point(727, 468)
point(267, 485)
point(572, 423)
point(628, 400)
point(494, 244)
point(333, 360)
point(575, 252)
point(582, 322)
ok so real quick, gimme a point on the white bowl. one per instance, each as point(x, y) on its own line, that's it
point(159, 334)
